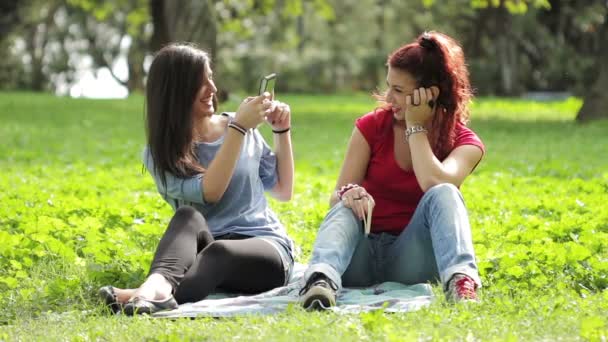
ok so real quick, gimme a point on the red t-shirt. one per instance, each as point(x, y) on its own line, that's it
point(395, 191)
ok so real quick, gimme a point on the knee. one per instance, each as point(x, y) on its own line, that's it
point(187, 212)
point(340, 221)
point(340, 210)
point(341, 214)
point(187, 216)
point(444, 192)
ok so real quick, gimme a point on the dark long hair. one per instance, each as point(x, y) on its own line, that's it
point(435, 59)
point(176, 74)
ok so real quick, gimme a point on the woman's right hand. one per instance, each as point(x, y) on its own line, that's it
point(357, 199)
point(253, 110)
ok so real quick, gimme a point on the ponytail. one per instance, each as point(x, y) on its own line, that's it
point(435, 59)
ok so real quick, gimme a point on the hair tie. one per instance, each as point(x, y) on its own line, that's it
point(427, 42)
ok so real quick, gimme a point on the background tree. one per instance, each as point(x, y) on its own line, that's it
point(11, 70)
point(595, 105)
point(111, 30)
point(183, 20)
point(29, 53)
point(513, 47)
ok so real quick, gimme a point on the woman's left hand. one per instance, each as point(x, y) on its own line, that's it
point(420, 106)
point(279, 117)
point(357, 199)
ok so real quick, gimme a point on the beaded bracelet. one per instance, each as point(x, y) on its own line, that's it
point(345, 188)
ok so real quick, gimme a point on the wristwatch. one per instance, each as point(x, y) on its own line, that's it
point(413, 130)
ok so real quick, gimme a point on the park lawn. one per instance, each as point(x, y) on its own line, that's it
point(77, 212)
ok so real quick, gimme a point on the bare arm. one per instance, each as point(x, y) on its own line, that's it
point(218, 174)
point(283, 190)
point(430, 171)
point(220, 170)
point(280, 121)
point(355, 163)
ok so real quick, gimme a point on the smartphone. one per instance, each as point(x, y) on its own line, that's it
point(267, 84)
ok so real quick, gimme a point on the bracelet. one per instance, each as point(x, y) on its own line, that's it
point(238, 127)
point(345, 188)
point(413, 130)
point(281, 131)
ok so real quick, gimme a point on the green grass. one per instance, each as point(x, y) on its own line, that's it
point(76, 212)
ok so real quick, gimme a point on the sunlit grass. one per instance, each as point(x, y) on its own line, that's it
point(77, 213)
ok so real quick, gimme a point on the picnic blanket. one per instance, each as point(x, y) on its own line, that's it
point(390, 296)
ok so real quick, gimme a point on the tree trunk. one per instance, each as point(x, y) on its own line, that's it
point(378, 72)
point(301, 32)
point(184, 21)
point(160, 34)
point(506, 53)
point(37, 37)
point(135, 63)
point(33, 37)
point(595, 105)
point(9, 17)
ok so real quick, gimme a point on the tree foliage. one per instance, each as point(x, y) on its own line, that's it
point(513, 47)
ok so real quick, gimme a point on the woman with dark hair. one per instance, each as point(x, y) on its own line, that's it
point(213, 170)
point(403, 168)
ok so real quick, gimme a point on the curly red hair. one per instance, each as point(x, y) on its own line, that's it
point(435, 59)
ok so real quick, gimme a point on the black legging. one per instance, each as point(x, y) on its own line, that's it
point(196, 264)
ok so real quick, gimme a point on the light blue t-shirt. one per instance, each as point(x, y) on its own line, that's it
point(243, 208)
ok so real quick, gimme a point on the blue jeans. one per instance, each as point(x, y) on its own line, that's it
point(435, 245)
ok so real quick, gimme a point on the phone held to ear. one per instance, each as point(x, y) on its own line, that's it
point(267, 84)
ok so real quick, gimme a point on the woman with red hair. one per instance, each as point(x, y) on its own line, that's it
point(403, 168)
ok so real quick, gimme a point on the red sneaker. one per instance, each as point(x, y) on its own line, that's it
point(462, 288)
